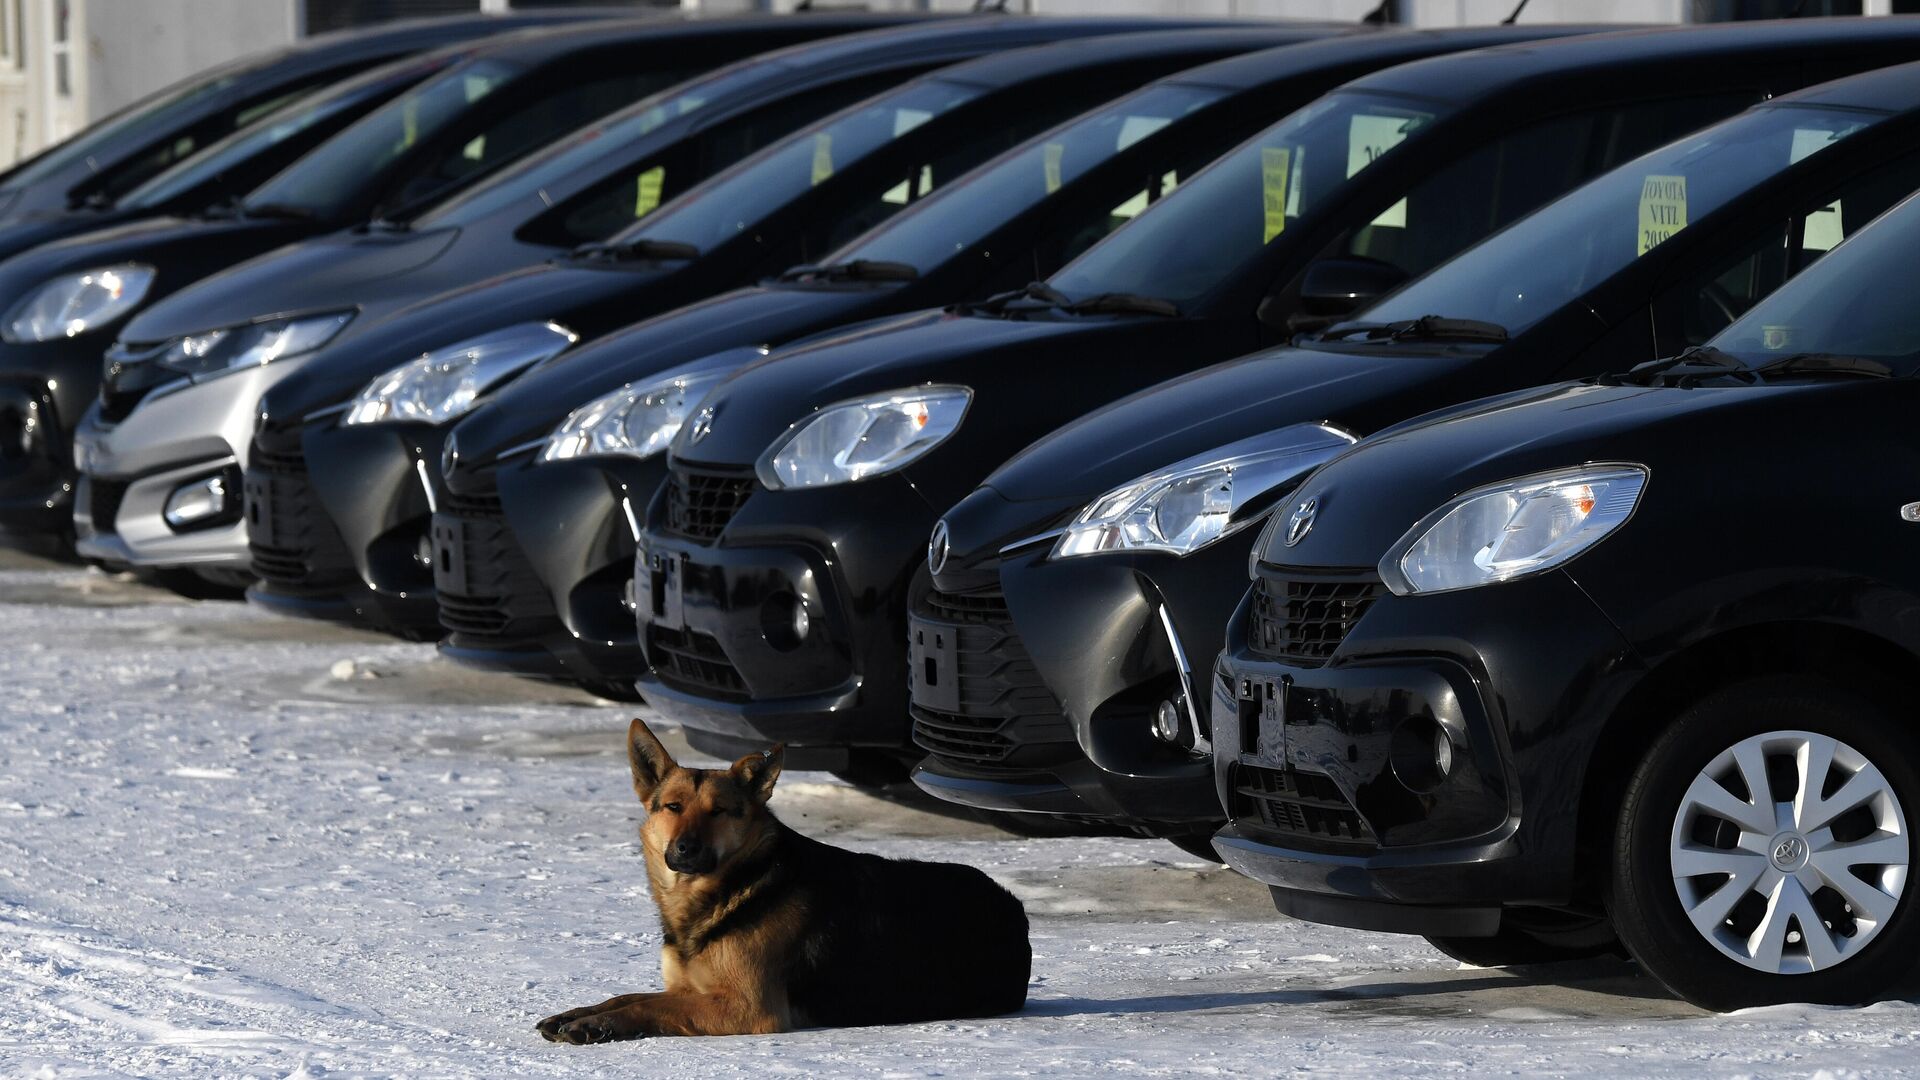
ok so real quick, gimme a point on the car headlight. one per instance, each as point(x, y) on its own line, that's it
point(866, 436)
point(218, 351)
point(1185, 507)
point(633, 421)
point(1514, 528)
point(73, 305)
point(440, 385)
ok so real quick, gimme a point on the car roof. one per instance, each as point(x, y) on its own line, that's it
point(1370, 46)
point(1025, 65)
point(1616, 59)
point(1890, 89)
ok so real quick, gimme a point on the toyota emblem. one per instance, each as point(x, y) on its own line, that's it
point(937, 549)
point(1301, 522)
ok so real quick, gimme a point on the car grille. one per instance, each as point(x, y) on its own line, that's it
point(495, 594)
point(1297, 805)
point(1303, 618)
point(103, 502)
point(690, 660)
point(1006, 714)
point(700, 502)
point(298, 548)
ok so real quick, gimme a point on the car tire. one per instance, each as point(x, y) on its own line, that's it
point(1534, 936)
point(1792, 930)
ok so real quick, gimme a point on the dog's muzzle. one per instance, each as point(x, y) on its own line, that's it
point(685, 858)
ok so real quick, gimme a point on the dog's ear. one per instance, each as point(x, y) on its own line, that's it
point(757, 772)
point(650, 760)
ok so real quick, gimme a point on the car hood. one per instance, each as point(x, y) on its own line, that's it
point(177, 247)
point(588, 300)
point(1368, 498)
point(31, 232)
point(326, 272)
point(1027, 375)
point(1222, 404)
point(722, 332)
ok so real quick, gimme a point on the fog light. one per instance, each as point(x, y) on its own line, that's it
point(1166, 721)
point(423, 552)
point(1442, 751)
point(630, 594)
point(785, 621)
point(1421, 752)
point(193, 503)
point(802, 620)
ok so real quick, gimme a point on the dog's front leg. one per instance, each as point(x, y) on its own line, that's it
point(674, 1013)
point(550, 1027)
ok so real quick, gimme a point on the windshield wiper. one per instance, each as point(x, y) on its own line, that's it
point(853, 270)
point(640, 248)
point(276, 212)
point(1824, 364)
point(1424, 328)
point(386, 225)
point(1711, 362)
point(1131, 303)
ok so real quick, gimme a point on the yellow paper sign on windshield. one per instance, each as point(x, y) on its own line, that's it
point(822, 157)
point(1274, 162)
point(1663, 209)
point(647, 199)
point(410, 123)
point(1050, 158)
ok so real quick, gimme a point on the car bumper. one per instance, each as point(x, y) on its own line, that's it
point(1086, 747)
point(717, 613)
point(172, 439)
point(1327, 764)
point(44, 389)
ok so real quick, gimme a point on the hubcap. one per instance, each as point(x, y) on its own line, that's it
point(1790, 852)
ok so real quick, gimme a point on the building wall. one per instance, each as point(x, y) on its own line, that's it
point(137, 46)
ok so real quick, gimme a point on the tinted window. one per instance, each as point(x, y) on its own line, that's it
point(330, 179)
point(965, 214)
point(1225, 216)
point(721, 209)
point(1603, 227)
point(1858, 303)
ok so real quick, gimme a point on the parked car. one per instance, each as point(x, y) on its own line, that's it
point(578, 191)
point(1098, 537)
point(577, 446)
point(73, 297)
point(766, 525)
point(879, 156)
point(114, 155)
point(1630, 654)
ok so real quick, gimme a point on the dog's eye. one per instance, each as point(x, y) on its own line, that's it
point(673, 808)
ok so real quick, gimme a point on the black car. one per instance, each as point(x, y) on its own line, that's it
point(516, 94)
point(1627, 655)
point(807, 193)
point(150, 437)
point(800, 496)
point(1096, 534)
point(558, 443)
point(116, 154)
point(238, 163)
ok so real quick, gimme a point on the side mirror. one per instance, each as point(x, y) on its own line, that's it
point(1333, 289)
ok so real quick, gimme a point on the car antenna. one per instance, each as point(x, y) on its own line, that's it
point(1514, 16)
point(990, 5)
point(1379, 16)
point(1798, 7)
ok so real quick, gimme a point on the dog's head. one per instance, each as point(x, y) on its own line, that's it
point(699, 819)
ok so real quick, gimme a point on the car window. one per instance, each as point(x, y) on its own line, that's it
point(1604, 226)
point(637, 190)
point(966, 214)
point(1705, 302)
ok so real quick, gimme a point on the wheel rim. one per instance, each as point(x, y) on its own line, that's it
point(1790, 852)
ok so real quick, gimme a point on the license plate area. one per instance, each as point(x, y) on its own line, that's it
point(932, 652)
point(449, 557)
point(258, 493)
point(661, 588)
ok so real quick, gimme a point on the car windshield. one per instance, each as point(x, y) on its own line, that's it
point(718, 210)
point(1600, 229)
point(159, 114)
point(961, 215)
point(1184, 247)
point(327, 180)
point(263, 135)
point(589, 154)
point(1855, 302)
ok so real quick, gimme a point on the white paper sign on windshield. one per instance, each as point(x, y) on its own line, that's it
point(1368, 137)
point(1824, 227)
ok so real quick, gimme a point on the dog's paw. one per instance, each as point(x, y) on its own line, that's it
point(549, 1028)
point(590, 1029)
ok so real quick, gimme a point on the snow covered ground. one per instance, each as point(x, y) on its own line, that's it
point(235, 845)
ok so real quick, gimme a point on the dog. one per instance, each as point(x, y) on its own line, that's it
point(767, 930)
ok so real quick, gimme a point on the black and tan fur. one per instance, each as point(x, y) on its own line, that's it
point(767, 930)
